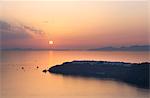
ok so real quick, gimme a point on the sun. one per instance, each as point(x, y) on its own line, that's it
point(50, 42)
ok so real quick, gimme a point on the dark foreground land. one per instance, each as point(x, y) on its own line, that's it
point(133, 73)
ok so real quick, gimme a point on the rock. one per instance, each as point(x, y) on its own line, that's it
point(132, 73)
point(44, 70)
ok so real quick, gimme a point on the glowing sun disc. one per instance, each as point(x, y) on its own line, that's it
point(50, 42)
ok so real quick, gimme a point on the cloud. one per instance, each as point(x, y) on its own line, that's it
point(10, 31)
point(33, 30)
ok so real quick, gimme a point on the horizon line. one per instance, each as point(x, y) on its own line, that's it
point(142, 47)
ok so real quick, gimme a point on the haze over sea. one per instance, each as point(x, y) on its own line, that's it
point(20, 77)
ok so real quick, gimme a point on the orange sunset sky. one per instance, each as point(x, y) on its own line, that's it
point(73, 24)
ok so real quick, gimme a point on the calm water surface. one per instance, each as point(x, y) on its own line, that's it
point(31, 82)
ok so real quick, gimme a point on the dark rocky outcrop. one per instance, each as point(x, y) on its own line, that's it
point(132, 73)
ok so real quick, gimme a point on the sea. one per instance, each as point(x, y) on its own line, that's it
point(21, 75)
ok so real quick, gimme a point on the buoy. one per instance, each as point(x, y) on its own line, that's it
point(22, 67)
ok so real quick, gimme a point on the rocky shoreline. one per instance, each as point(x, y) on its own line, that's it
point(133, 73)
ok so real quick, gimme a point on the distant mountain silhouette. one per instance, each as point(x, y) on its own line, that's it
point(123, 48)
point(130, 48)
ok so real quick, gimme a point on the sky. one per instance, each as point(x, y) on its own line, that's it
point(73, 24)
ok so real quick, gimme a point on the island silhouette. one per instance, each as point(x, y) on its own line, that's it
point(133, 73)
